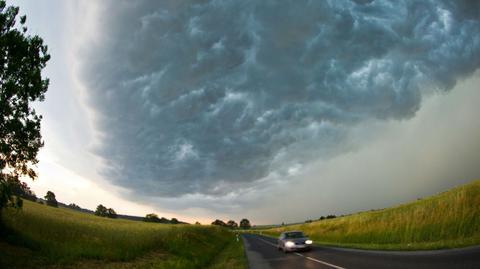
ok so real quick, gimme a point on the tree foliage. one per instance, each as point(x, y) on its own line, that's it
point(102, 211)
point(219, 223)
point(51, 200)
point(7, 192)
point(152, 217)
point(232, 224)
point(22, 190)
point(111, 213)
point(74, 206)
point(22, 58)
point(245, 224)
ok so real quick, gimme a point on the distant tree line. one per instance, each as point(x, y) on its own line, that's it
point(327, 217)
point(152, 217)
point(321, 218)
point(74, 206)
point(231, 224)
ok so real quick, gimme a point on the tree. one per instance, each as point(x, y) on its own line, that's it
point(164, 220)
point(22, 190)
point(101, 211)
point(74, 206)
point(152, 217)
point(197, 223)
point(245, 224)
point(111, 213)
point(219, 223)
point(10, 188)
point(22, 58)
point(51, 200)
point(232, 224)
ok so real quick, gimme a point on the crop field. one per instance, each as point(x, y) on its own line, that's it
point(447, 220)
point(38, 236)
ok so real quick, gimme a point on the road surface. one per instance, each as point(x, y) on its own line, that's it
point(262, 253)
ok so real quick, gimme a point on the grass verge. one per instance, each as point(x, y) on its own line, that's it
point(232, 257)
point(447, 220)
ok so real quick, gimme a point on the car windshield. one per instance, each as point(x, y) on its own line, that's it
point(294, 235)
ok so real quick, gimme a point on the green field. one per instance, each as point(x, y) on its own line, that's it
point(39, 236)
point(447, 220)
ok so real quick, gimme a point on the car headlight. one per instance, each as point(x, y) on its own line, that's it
point(289, 244)
point(308, 242)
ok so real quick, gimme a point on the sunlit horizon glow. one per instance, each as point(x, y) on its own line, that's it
point(158, 108)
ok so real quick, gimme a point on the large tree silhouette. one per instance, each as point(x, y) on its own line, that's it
point(22, 58)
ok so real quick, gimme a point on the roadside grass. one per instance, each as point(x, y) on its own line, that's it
point(447, 220)
point(232, 257)
point(47, 237)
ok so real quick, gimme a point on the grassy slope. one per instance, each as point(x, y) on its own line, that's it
point(450, 219)
point(58, 238)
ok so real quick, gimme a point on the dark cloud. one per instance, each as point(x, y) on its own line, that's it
point(210, 97)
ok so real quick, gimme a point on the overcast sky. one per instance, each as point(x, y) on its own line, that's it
point(278, 112)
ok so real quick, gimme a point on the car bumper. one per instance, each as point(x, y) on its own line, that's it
point(298, 247)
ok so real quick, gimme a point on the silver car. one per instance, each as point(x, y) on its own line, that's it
point(294, 240)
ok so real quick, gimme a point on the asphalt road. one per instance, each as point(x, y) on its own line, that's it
point(262, 253)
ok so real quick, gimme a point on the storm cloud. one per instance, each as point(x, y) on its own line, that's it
point(215, 97)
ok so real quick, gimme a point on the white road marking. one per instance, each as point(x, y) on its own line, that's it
point(310, 258)
point(270, 243)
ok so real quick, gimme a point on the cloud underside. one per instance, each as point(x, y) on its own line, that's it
point(215, 97)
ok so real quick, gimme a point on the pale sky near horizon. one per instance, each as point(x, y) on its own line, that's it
point(276, 113)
